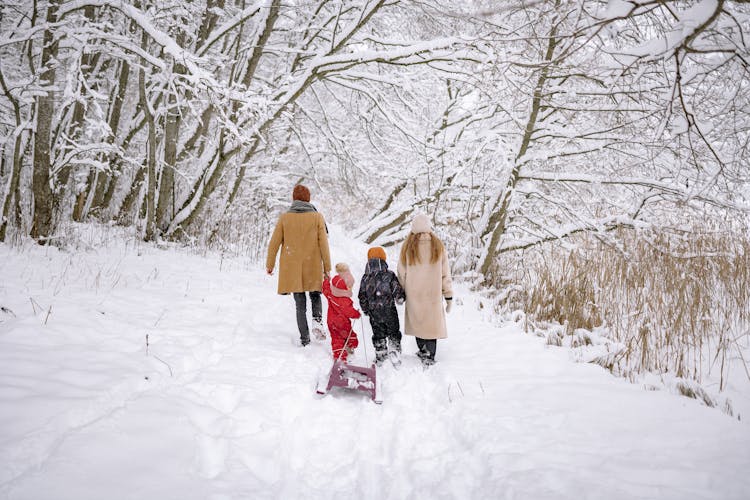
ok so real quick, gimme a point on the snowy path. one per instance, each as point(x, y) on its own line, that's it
point(86, 413)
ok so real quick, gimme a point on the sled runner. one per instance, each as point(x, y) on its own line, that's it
point(359, 378)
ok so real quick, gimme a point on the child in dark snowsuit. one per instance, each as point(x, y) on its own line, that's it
point(341, 311)
point(379, 292)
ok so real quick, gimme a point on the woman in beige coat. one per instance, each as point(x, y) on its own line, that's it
point(426, 278)
point(302, 235)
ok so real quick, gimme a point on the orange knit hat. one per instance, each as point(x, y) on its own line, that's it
point(301, 193)
point(376, 253)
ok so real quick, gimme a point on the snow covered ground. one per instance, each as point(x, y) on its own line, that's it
point(221, 404)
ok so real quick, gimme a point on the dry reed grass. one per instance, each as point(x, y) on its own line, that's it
point(676, 303)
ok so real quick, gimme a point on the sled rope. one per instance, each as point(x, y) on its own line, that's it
point(364, 342)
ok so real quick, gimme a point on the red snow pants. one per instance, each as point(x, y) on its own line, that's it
point(340, 314)
point(338, 340)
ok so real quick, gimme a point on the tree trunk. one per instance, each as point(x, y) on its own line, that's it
point(99, 202)
point(13, 191)
point(103, 197)
point(497, 221)
point(209, 182)
point(42, 226)
point(197, 199)
point(98, 181)
point(116, 161)
point(208, 21)
point(15, 168)
point(151, 154)
point(79, 208)
point(165, 208)
point(78, 115)
point(132, 197)
point(202, 189)
point(166, 183)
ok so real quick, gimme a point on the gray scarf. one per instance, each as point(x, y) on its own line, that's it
point(300, 207)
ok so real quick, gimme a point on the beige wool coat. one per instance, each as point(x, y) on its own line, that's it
point(305, 256)
point(425, 284)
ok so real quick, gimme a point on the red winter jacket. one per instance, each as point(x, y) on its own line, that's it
point(340, 313)
point(340, 309)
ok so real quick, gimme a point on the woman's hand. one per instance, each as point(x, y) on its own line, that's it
point(448, 304)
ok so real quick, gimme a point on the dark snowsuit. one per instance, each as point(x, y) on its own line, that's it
point(379, 292)
point(340, 313)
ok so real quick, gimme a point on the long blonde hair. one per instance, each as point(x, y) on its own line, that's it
point(410, 249)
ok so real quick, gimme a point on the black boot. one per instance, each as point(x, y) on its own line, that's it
point(426, 353)
point(380, 356)
point(381, 349)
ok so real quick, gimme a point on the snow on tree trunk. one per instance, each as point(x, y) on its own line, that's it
point(42, 226)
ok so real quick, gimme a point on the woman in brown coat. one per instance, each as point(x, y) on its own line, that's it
point(426, 278)
point(302, 235)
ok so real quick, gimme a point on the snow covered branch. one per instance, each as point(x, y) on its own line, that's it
point(163, 39)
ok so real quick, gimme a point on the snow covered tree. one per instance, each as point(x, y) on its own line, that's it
point(584, 121)
point(518, 124)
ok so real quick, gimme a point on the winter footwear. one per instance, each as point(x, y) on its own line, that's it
point(425, 357)
point(427, 362)
point(394, 351)
point(380, 356)
point(426, 349)
point(395, 358)
point(318, 330)
point(394, 345)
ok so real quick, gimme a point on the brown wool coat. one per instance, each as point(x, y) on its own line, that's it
point(304, 256)
point(425, 285)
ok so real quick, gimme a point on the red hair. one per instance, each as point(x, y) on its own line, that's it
point(301, 193)
point(410, 249)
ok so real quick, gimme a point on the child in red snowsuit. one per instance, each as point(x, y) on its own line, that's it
point(341, 311)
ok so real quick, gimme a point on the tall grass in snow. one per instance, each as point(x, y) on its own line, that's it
point(670, 302)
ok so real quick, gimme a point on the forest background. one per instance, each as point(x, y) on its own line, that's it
point(586, 162)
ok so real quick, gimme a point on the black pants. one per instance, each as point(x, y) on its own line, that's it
point(427, 348)
point(300, 302)
point(385, 329)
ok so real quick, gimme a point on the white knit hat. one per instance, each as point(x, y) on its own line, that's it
point(421, 224)
point(342, 283)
